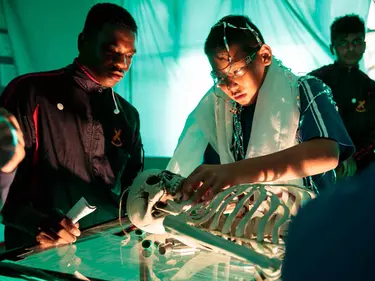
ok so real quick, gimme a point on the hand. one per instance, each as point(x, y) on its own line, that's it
point(347, 168)
point(55, 234)
point(207, 180)
point(19, 153)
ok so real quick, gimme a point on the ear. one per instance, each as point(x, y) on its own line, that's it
point(80, 42)
point(332, 49)
point(265, 54)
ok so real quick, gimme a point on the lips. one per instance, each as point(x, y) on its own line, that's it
point(352, 56)
point(116, 75)
point(238, 96)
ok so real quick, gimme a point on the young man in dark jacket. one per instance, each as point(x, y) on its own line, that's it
point(81, 139)
point(353, 90)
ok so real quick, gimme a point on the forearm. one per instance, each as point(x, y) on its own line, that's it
point(24, 218)
point(306, 159)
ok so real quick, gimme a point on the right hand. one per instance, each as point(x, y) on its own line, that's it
point(53, 234)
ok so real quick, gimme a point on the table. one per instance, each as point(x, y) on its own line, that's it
point(101, 254)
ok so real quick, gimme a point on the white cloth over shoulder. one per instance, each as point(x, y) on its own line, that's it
point(274, 126)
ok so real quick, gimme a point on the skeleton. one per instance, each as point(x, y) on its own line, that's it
point(252, 215)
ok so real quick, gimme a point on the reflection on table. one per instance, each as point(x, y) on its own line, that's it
point(101, 254)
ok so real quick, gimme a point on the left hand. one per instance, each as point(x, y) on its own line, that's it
point(207, 180)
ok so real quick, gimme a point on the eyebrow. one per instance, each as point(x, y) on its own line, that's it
point(224, 73)
point(345, 39)
point(134, 51)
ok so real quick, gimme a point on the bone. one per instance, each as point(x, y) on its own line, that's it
point(284, 211)
point(262, 225)
point(229, 222)
point(215, 222)
point(173, 224)
point(240, 232)
point(247, 221)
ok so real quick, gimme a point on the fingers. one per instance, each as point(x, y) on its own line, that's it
point(190, 185)
point(194, 181)
point(209, 190)
point(204, 183)
point(67, 234)
point(203, 190)
point(70, 228)
point(46, 240)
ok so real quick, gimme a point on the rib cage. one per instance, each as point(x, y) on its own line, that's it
point(247, 212)
point(255, 216)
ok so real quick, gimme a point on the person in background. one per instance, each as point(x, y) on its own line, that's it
point(259, 122)
point(353, 91)
point(81, 138)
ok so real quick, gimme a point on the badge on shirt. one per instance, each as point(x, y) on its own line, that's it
point(361, 106)
point(116, 140)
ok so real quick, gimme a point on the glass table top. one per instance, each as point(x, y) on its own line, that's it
point(102, 254)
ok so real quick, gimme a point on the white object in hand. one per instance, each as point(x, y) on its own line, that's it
point(80, 210)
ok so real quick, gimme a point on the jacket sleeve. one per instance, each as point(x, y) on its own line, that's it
point(136, 157)
point(19, 100)
point(319, 73)
point(365, 153)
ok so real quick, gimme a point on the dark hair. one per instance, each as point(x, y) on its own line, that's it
point(103, 13)
point(347, 24)
point(215, 39)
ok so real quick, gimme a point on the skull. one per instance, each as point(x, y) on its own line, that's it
point(154, 195)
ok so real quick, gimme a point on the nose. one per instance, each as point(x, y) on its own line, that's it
point(123, 62)
point(351, 46)
point(231, 84)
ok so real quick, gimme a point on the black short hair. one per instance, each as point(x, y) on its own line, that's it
point(103, 13)
point(344, 25)
point(215, 39)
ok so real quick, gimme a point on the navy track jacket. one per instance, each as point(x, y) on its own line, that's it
point(76, 146)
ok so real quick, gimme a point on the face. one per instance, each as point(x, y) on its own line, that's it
point(349, 49)
point(242, 79)
point(108, 55)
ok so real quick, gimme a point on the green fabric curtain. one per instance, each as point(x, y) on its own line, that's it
point(170, 73)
